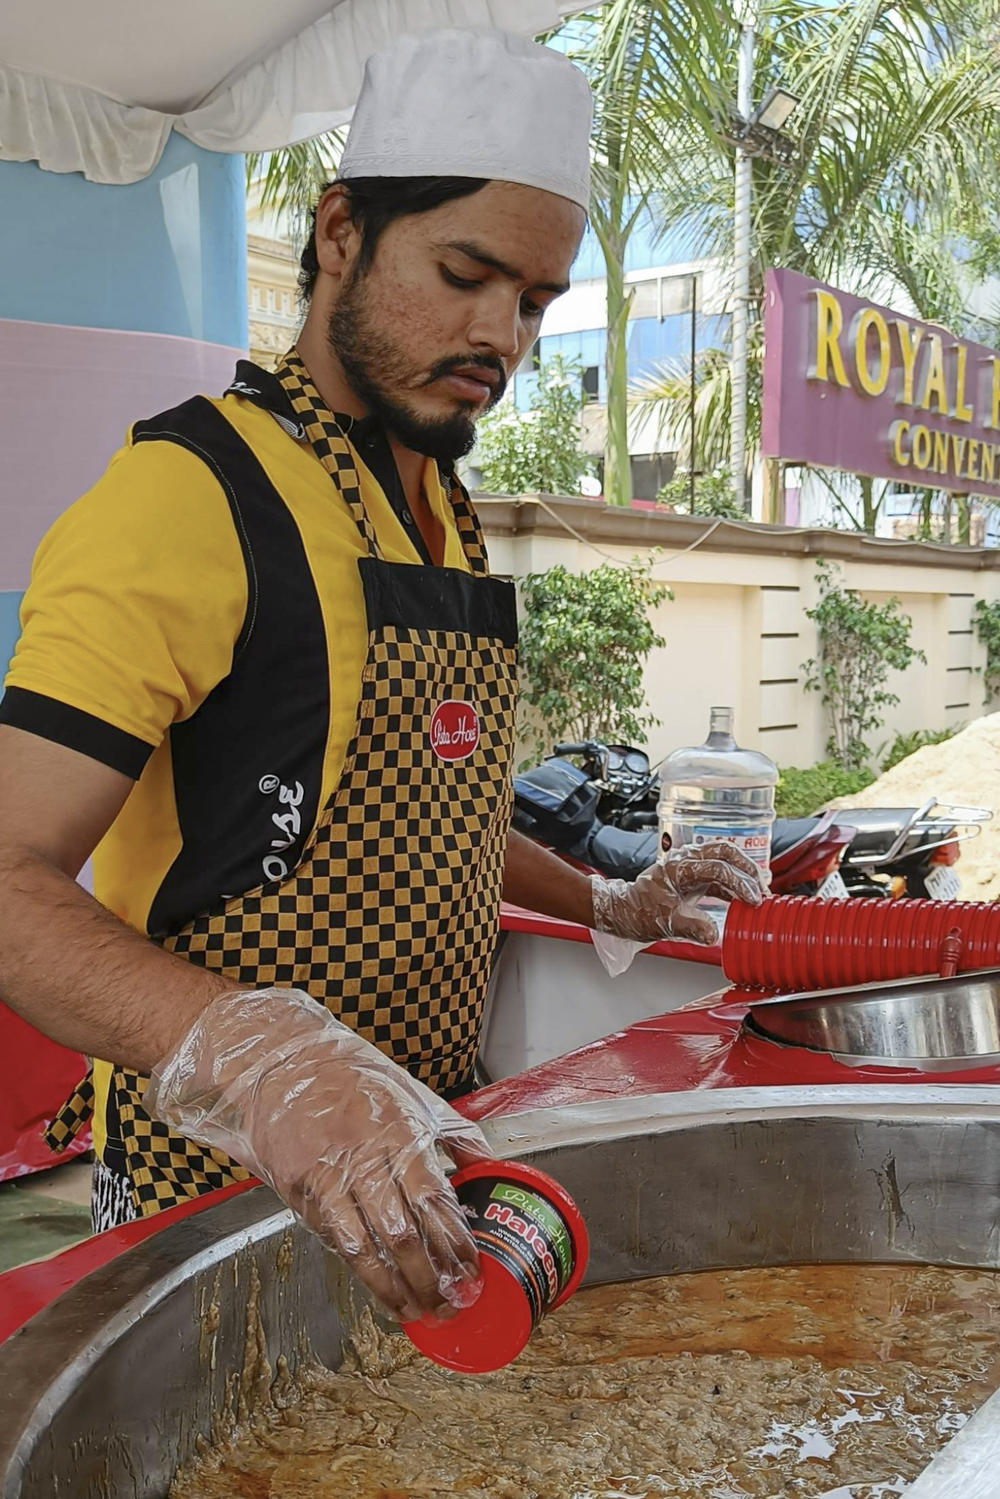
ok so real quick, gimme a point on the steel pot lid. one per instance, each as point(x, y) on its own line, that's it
point(933, 1024)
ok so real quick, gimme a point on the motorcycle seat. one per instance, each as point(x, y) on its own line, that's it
point(619, 853)
point(555, 802)
point(790, 831)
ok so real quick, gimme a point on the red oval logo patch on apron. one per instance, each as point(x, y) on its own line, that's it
point(454, 730)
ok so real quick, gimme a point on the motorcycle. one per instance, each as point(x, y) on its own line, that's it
point(602, 815)
point(908, 851)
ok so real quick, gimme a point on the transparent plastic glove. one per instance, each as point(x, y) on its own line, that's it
point(616, 953)
point(661, 902)
point(344, 1136)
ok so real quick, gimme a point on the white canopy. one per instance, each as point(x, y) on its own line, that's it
point(97, 87)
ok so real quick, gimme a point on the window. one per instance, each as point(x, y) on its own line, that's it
point(675, 295)
point(661, 296)
point(591, 382)
point(645, 301)
point(649, 474)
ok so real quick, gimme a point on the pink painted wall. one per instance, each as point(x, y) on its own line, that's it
point(69, 396)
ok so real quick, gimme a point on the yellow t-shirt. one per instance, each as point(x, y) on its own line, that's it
point(144, 598)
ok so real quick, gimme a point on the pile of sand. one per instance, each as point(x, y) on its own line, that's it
point(962, 771)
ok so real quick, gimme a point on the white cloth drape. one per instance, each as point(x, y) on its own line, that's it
point(305, 87)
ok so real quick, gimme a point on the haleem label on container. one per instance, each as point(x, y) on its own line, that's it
point(533, 1248)
point(525, 1234)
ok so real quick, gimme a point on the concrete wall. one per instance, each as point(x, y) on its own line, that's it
point(737, 631)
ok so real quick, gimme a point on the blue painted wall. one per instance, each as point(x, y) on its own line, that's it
point(10, 629)
point(165, 255)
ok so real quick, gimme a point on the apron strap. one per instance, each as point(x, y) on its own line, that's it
point(328, 440)
point(332, 448)
point(469, 530)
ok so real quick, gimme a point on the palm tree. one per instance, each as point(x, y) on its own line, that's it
point(897, 164)
point(643, 104)
point(666, 397)
point(291, 180)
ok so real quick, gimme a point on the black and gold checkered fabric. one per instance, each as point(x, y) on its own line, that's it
point(328, 443)
point(164, 1168)
point(327, 440)
point(61, 1131)
point(391, 917)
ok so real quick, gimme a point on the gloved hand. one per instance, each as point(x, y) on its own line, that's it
point(660, 903)
point(344, 1136)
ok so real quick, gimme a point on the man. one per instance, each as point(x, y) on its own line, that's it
point(265, 677)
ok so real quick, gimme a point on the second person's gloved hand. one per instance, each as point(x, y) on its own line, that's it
point(662, 901)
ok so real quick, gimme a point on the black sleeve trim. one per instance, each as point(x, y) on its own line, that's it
point(200, 428)
point(50, 719)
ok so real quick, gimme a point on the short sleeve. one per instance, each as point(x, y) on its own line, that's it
point(137, 598)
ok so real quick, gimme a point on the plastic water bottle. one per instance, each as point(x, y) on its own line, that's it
point(717, 790)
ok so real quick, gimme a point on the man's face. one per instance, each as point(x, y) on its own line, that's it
point(429, 334)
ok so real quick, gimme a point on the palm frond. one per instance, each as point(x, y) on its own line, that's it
point(664, 398)
point(290, 181)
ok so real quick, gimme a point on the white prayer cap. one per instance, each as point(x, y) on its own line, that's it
point(473, 104)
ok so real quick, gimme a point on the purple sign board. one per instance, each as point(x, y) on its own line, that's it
point(855, 386)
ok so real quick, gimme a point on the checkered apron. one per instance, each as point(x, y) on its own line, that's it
point(391, 917)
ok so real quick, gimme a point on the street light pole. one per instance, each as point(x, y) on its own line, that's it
point(741, 261)
point(693, 413)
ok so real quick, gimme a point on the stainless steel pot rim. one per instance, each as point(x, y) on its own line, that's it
point(926, 1024)
point(875, 990)
point(901, 1062)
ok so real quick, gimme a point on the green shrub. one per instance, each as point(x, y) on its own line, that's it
point(859, 644)
point(987, 618)
point(800, 793)
point(907, 744)
point(585, 638)
point(713, 495)
point(519, 452)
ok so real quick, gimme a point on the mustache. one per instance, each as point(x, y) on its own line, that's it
point(471, 362)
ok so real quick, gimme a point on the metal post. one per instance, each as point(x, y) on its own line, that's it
point(741, 265)
point(694, 385)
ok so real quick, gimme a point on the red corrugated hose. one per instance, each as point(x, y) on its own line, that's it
point(792, 943)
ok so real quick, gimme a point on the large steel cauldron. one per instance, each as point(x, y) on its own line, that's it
point(108, 1390)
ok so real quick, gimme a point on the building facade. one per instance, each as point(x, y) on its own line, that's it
point(678, 299)
point(273, 308)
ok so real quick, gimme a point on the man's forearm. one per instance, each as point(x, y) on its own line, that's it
point(86, 979)
point(540, 881)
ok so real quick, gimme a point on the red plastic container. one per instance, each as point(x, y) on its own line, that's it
point(793, 943)
point(533, 1250)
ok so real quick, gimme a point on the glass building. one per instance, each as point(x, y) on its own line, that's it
point(675, 294)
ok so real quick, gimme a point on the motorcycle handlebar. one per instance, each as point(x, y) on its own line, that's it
point(590, 747)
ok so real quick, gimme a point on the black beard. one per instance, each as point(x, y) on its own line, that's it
point(361, 351)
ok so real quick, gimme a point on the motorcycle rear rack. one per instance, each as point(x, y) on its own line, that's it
point(954, 817)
